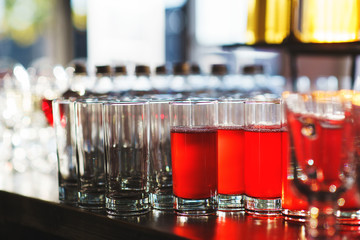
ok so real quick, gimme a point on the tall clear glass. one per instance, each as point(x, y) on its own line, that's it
point(160, 155)
point(64, 122)
point(322, 147)
point(194, 156)
point(265, 133)
point(231, 154)
point(127, 157)
point(91, 155)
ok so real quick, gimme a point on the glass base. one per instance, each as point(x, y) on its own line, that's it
point(68, 195)
point(126, 206)
point(348, 217)
point(91, 200)
point(295, 215)
point(230, 202)
point(162, 201)
point(195, 207)
point(263, 207)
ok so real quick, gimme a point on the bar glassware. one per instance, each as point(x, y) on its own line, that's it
point(64, 122)
point(194, 156)
point(294, 204)
point(161, 193)
point(127, 157)
point(265, 134)
point(231, 154)
point(349, 201)
point(91, 155)
point(322, 146)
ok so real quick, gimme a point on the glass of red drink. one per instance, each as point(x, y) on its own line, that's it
point(321, 142)
point(193, 127)
point(294, 204)
point(231, 154)
point(265, 133)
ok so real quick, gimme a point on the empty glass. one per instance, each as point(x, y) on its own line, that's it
point(64, 122)
point(127, 157)
point(160, 155)
point(91, 155)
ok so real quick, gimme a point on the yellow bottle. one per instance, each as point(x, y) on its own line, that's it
point(326, 21)
point(268, 21)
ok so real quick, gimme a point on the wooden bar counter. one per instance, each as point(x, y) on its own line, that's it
point(29, 209)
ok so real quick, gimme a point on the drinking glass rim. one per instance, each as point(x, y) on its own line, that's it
point(232, 100)
point(64, 100)
point(125, 102)
point(193, 102)
point(266, 101)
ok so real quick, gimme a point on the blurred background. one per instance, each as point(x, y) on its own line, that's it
point(301, 45)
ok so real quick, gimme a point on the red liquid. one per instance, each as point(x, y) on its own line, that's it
point(46, 106)
point(263, 162)
point(318, 144)
point(194, 162)
point(231, 160)
point(291, 198)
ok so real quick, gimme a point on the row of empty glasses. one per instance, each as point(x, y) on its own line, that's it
point(292, 156)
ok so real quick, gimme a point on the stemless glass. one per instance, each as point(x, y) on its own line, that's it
point(294, 204)
point(64, 122)
point(231, 154)
point(161, 193)
point(127, 157)
point(91, 155)
point(321, 139)
point(265, 134)
point(194, 156)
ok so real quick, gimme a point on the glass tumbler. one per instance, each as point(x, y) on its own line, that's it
point(265, 134)
point(194, 156)
point(321, 131)
point(161, 193)
point(64, 122)
point(231, 154)
point(91, 155)
point(294, 204)
point(127, 157)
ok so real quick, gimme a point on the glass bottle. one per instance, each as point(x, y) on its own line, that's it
point(179, 81)
point(78, 81)
point(103, 83)
point(196, 79)
point(141, 84)
point(121, 81)
point(161, 81)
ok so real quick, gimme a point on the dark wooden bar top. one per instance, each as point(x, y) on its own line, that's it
point(29, 209)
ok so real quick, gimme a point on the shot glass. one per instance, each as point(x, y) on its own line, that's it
point(264, 136)
point(231, 154)
point(127, 157)
point(91, 155)
point(194, 156)
point(161, 193)
point(64, 123)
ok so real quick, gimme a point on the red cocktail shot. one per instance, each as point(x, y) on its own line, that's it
point(263, 161)
point(231, 160)
point(194, 162)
